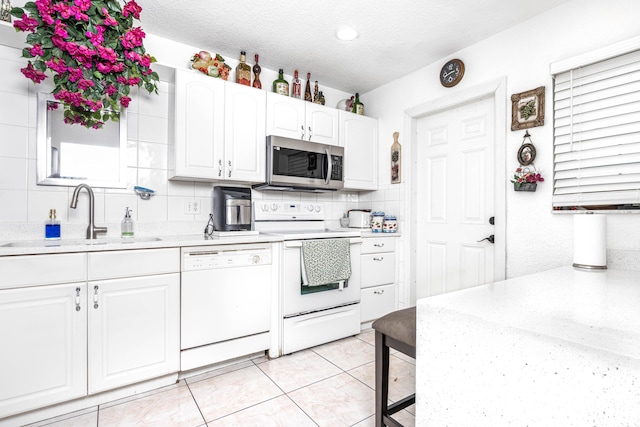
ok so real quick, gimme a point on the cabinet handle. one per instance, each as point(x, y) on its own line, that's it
point(379, 292)
point(378, 259)
point(77, 299)
point(219, 167)
point(310, 134)
point(229, 168)
point(379, 245)
point(95, 297)
point(302, 135)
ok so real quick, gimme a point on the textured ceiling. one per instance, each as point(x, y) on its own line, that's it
point(395, 37)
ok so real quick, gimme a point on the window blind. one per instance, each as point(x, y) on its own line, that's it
point(597, 135)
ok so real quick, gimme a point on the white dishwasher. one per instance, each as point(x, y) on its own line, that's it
point(225, 303)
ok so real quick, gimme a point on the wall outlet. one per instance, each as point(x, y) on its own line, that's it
point(192, 206)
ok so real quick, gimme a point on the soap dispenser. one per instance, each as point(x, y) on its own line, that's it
point(52, 226)
point(127, 224)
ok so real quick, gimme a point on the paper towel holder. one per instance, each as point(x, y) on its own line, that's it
point(584, 259)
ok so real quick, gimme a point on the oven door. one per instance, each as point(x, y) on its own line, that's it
point(297, 298)
point(304, 164)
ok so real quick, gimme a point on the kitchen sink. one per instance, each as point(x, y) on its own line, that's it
point(77, 242)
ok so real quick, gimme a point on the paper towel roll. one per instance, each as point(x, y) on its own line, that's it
point(590, 241)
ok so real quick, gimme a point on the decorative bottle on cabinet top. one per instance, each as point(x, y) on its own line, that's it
point(256, 71)
point(280, 85)
point(296, 86)
point(243, 71)
point(307, 89)
point(358, 107)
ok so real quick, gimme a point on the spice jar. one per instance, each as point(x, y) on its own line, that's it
point(377, 219)
point(390, 224)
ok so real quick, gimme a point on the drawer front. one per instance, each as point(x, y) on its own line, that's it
point(373, 245)
point(31, 270)
point(143, 262)
point(376, 302)
point(378, 269)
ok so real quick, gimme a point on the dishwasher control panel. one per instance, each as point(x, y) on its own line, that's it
point(222, 257)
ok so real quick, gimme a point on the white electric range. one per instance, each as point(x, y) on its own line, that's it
point(310, 316)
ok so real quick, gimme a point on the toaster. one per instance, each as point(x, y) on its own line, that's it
point(359, 219)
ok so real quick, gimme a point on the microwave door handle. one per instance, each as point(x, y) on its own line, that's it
point(329, 166)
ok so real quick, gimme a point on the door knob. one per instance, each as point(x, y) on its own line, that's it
point(492, 220)
point(491, 239)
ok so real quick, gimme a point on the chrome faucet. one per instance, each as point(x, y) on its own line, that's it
point(92, 230)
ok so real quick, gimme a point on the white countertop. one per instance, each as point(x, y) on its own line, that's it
point(35, 247)
point(556, 348)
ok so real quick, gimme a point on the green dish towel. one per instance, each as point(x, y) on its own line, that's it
point(325, 261)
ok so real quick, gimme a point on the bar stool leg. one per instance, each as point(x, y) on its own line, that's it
point(382, 378)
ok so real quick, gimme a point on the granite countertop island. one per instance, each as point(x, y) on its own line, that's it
point(556, 348)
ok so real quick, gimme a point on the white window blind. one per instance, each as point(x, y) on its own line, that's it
point(597, 135)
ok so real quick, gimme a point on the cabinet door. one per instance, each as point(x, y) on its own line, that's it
point(43, 331)
point(359, 136)
point(378, 269)
point(199, 131)
point(245, 133)
point(134, 327)
point(285, 116)
point(322, 124)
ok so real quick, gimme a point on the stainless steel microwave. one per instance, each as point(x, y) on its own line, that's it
point(299, 165)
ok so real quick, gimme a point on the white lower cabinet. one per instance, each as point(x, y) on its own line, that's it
point(43, 334)
point(134, 330)
point(378, 273)
point(81, 329)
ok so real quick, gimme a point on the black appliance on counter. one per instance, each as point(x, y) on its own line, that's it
point(231, 208)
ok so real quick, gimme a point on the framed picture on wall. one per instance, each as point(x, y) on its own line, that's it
point(527, 109)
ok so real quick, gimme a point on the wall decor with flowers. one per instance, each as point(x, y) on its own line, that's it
point(92, 49)
point(525, 177)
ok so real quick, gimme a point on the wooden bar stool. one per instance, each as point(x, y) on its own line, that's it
point(395, 330)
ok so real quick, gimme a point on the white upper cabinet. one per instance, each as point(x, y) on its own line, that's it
point(245, 134)
point(299, 119)
point(199, 126)
point(219, 130)
point(359, 137)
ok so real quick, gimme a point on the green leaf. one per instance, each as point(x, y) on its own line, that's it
point(26, 53)
point(17, 12)
point(39, 64)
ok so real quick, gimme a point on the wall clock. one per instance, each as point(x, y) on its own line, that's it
point(451, 73)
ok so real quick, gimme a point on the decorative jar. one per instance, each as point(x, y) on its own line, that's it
point(377, 219)
point(390, 224)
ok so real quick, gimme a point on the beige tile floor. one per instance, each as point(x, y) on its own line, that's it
point(328, 385)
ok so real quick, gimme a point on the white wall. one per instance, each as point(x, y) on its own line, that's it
point(537, 239)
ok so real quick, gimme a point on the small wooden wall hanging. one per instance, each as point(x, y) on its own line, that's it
point(396, 160)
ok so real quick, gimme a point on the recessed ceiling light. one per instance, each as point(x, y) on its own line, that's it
point(346, 34)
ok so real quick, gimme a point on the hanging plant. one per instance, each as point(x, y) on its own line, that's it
point(93, 51)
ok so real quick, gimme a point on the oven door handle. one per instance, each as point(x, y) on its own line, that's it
point(329, 166)
point(298, 243)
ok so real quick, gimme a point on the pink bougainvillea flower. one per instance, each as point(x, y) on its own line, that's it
point(107, 53)
point(131, 8)
point(56, 64)
point(111, 90)
point(26, 23)
point(124, 101)
point(83, 5)
point(84, 84)
point(36, 50)
point(108, 20)
point(133, 38)
point(96, 38)
point(31, 73)
point(60, 30)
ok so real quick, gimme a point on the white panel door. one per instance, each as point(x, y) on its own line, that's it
point(456, 198)
point(43, 334)
point(285, 116)
point(199, 122)
point(245, 133)
point(359, 137)
point(134, 330)
point(321, 124)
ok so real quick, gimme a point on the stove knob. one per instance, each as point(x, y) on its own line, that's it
point(265, 208)
point(318, 208)
point(256, 259)
point(310, 208)
point(274, 207)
